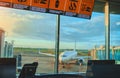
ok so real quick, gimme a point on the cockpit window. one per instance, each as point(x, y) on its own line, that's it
point(64, 56)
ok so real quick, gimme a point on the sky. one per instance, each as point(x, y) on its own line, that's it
point(38, 30)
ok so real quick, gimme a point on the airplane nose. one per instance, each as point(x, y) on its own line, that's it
point(60, 60)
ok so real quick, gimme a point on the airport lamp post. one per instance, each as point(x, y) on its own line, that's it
point(107, 32)
point(57, 45)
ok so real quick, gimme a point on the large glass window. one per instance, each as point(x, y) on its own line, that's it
point(30, 37)
point(82, 36)
point(115, 38)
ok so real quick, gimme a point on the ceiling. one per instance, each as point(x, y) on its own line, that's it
point(114, 6)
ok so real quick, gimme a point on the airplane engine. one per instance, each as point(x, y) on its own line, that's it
point(80, 61)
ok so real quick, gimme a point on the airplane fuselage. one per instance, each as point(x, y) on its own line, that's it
point(67, 56)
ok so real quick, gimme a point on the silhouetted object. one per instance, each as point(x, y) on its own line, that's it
point(80, 62)
point(100, 62)
point(28, 70)
point(7, 67)
point(106, 71)
point(60, 76)
point(19, 59)
point(93, 68)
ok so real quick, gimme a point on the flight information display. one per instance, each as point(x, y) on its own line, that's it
point(74, 8)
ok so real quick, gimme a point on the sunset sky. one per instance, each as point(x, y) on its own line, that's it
point(35, 29)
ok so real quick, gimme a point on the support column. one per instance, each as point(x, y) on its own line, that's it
point(113, 51)
point(94, 53)
point(107, 28)
point(57, 45)
point(2, 34)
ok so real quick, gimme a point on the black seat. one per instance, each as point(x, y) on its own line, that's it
point(95, 67)
point(106, 71)
point(28, 70)
point(7, 67)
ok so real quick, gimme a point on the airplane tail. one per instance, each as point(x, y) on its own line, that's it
point(75, 46)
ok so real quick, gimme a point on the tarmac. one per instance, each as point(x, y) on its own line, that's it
point(46, 64)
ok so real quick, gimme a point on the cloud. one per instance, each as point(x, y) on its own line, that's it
point(83, 30)
point(43, 29)
point(79, 29)
point(118, 23)
point(12, 20)
point(42, 26)
point(28, 16)
point(6, 21)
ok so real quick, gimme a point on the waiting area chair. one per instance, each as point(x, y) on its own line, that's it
point(28, 70)
point(102, 69)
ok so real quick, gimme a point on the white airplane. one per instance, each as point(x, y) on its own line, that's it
point(67, 56)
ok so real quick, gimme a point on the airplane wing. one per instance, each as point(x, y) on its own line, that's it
point(47, 54)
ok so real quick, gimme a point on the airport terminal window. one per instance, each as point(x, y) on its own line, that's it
point(82, 36)
point(31, 38)
point(115, 38)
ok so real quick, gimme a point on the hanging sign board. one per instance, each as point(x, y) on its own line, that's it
point(86, 7)
point(74, 8)
point(39, 5)
point(5, 3)
point(57, 6)
point(21, 4)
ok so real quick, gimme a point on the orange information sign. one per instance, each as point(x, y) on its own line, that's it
point(40, 3)
point(89, 1)
point(86, 7)
point(72, 6)
point(57, 4)
point(24, 2)
point(5, 3)
point(5, 0)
